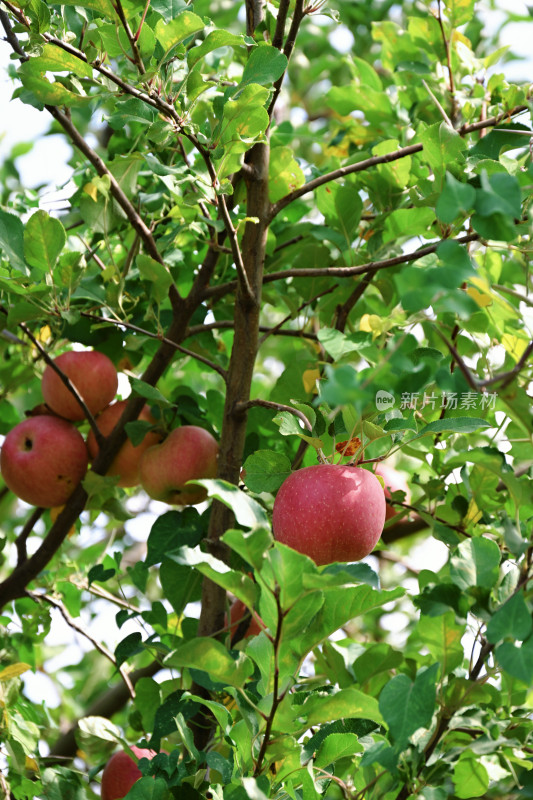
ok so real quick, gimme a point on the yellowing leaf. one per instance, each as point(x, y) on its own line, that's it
point(474, 514)
point(514, 346)
point(31, 764)
point(309, 379)
point(13, 671)
point(372, 323)
point(483, 300)
point(91, 190)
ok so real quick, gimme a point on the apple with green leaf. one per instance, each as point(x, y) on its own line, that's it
point(188, 453)
point(330, 512)
point(121, 772)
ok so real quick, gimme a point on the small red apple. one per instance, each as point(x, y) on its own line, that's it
point(126, 462)
point(92, 373)
point(330, 512)
point(43, 459)
point(394, 482)
point(121, 772)
point(188, 453)
point(236, 613)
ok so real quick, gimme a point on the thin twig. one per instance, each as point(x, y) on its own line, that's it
point(122, 324)
point(65, 380)
point(132, 38)
point(38, 597)
point(243, 406)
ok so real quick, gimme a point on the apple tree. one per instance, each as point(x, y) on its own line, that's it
point(305, 228)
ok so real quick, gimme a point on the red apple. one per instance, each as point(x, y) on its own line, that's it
point(394, 482)
point(330, 512)
point(126, 462)
point(43, 459)
point(188, 453)
point(121, 772)
point(92, 373)
point(237, 611)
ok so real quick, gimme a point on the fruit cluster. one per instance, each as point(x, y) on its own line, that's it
point(45, 456)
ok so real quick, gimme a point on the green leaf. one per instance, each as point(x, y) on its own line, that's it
point(55, 59)
point(247, 511)
point(409, 705)
point(344, 703)
point(264, 66)
point(12, 241)
point(456, 199)
point(475, 563)
point(499, 194)
point(517, 661)
point(213, 41)
point(285, 174)
point(157, 274)
point(209, 655)
point(44, 238)
point(128, 647)
point(173, 530)
point(178, 29)
point(470, 777)
point(442, 636)
point(265, 470)
point(408, 222)
point(31, 73)
point(462, 425)
point(103, 8)
point(336, 746)
point(512, 619)
point(143, 389)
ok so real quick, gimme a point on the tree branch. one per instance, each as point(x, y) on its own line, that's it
point(387, 158)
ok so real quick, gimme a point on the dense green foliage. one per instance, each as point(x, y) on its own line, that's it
point(296, 225)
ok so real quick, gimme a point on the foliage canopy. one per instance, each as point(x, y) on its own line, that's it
point(307, 229)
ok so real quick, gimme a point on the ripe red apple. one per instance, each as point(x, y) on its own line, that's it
point(394, 482)
point(126, 462)
point(188, 453)
point(237, 611)
point(330, 512)
point(43, 459)
point(92, 373)
point(121, 772)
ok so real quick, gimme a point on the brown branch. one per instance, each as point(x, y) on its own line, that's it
point(469, 378)
point(387, 158)
point(132, 38)
point(37, 597)
point(22, 538)
point(507, 377)
point(106, 705)
point(244, 406)
point(180, 349)
point(342, 312)
point(288, 48)
point(362, 269)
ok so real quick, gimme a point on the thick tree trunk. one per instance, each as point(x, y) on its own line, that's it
point(240, 371)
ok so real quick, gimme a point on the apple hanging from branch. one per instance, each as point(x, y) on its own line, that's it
point(121, 772)
point(43, 459)
point(330, 512)
point(188, 453)
point(93, 375)
point(126, 463)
